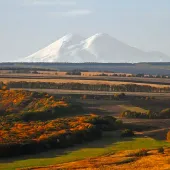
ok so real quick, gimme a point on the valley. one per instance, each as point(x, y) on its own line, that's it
point(84, 85)
point(59, 121)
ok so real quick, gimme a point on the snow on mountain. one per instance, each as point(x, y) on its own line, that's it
point(55, 51)
point(97, 48)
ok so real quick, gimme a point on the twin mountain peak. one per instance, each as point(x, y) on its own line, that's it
point(100, 47)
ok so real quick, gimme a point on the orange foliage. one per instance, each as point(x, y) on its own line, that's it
point(21, 132)
point(20, 101)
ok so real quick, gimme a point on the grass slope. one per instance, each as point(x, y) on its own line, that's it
point(133, 108)
point(119, 161)
point(106, 146)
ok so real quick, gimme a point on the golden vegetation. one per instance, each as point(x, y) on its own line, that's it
point(29, 123)
point(119, 161)
point(98, 82)
point(12, 101)
point(19, 132)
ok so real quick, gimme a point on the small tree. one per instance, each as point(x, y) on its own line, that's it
point(161, 150)
point(3, 86)
point(168, 136)
point(127, 133)
point(84, 97)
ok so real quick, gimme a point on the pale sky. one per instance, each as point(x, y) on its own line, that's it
point(29, 25)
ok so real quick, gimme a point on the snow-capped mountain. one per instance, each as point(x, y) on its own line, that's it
point(97, 48)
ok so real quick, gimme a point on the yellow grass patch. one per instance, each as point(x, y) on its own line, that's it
point(119, 161)
point(6, 80)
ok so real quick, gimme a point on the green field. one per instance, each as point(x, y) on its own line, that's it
point(133, 108)
point(107, 145)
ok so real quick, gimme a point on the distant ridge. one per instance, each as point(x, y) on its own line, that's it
point(99, 48)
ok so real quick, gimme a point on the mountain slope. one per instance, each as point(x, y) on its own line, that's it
point(97, 48)
point(53, 52)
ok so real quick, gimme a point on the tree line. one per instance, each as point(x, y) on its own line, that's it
point(90, 87)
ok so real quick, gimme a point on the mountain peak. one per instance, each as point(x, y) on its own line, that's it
point(69, 37)
point(100, 35)
point(100, 47)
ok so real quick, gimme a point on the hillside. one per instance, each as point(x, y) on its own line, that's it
point(97, 48)
point(24, 101)
point(30, 123)
point(118, 161)
point(51, 133)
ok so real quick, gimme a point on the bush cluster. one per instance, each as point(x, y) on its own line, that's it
point(117, 96)
point(127, 133)
point(30, 123)
point(164, 114)
point(31, 137)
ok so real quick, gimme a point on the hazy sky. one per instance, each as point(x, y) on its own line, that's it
point(28, 25)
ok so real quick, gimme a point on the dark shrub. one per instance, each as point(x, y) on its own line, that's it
point(139, 153)
point(105, 123)
point(132, 114)
point(125, 161)
point(119, 123)
point(165, 113)
point(142, 152)
point(127, 133)
point(161, 150)
point(168, 136)
point(118, 96)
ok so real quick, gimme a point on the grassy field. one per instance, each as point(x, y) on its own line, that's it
point(123, 160)
point(106, 146)
point(111, 143)
point(133, 108)
point(85, 76)
point(82, 92)
point(6, 80)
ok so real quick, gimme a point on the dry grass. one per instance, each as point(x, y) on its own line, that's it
point(5, 80)
point(133, 108)
point(57, 73)
point(99, 73)
point(119, 161)
point(4, 72)
point(63, 73)
point(41, 73)
point(92, 77)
